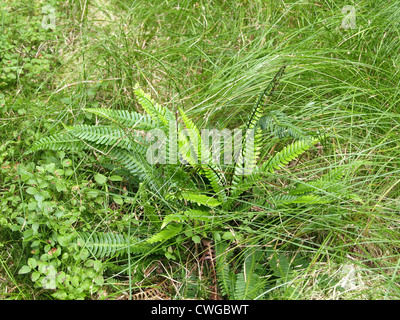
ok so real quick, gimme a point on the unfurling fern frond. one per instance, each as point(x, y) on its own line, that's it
point(106, 245)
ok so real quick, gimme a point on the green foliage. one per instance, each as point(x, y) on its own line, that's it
point(25, 56)
point(79, 229)
point(198, 188)
point(122, 144)
point(122, 141)
point(287, 154)
point(106, 244)
point(279, 124)
point(170, 231)
point(253, 272)
point(45, 220)
point(248, 281)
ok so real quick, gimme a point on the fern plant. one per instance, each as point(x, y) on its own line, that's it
point(181, 166)
point(128, 140)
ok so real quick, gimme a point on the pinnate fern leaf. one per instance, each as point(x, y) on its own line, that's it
point(200, 199)
point(225, 276)
point(287, 154)
point(104, 135)
point(125, 118)
point(326, 182)
point(249, 283)
point(203, 158)
point(158, 113)
point(168, 232)
point(107, 244)
point(278, 123)
point(59, 141)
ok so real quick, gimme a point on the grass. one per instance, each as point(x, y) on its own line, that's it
point(213, 59)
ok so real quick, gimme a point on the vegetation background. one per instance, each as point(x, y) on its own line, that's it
point(212, 59)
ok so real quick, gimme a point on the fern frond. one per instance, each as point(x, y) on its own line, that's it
point(133, 120)
point(326, 182)
point(283, 157)
point(105, 245)
point(203, 158)
point(257, 111)
point(137, 165)
point(59, 141)
point(106, 135)
point(198, 215)
point(194, 135)
point(247, 287)
point(280, 265)
point(279, 124)
point(287, 154)
point(147, 203)
point(200, 199)
point(194, 215)
point(249, 283)
point(252, 136)
point(168, 232)
point(173, 217)
point(158, 113)
point(225, 276)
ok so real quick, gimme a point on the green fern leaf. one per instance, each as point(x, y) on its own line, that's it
point(327, 182)
point(106, 135)
point(105, 245)
point(225, 276)
point(132, 120)
point(158, 113)
point(174, 217)
point(280, 265)
point(198, 215)
point(287, 154)
point(202, 158)
point(257, 111)
point(59, 141)
point(137, 165)
point(249, 283)
point(200, 199)
point(252, 138)
point(168, 232)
